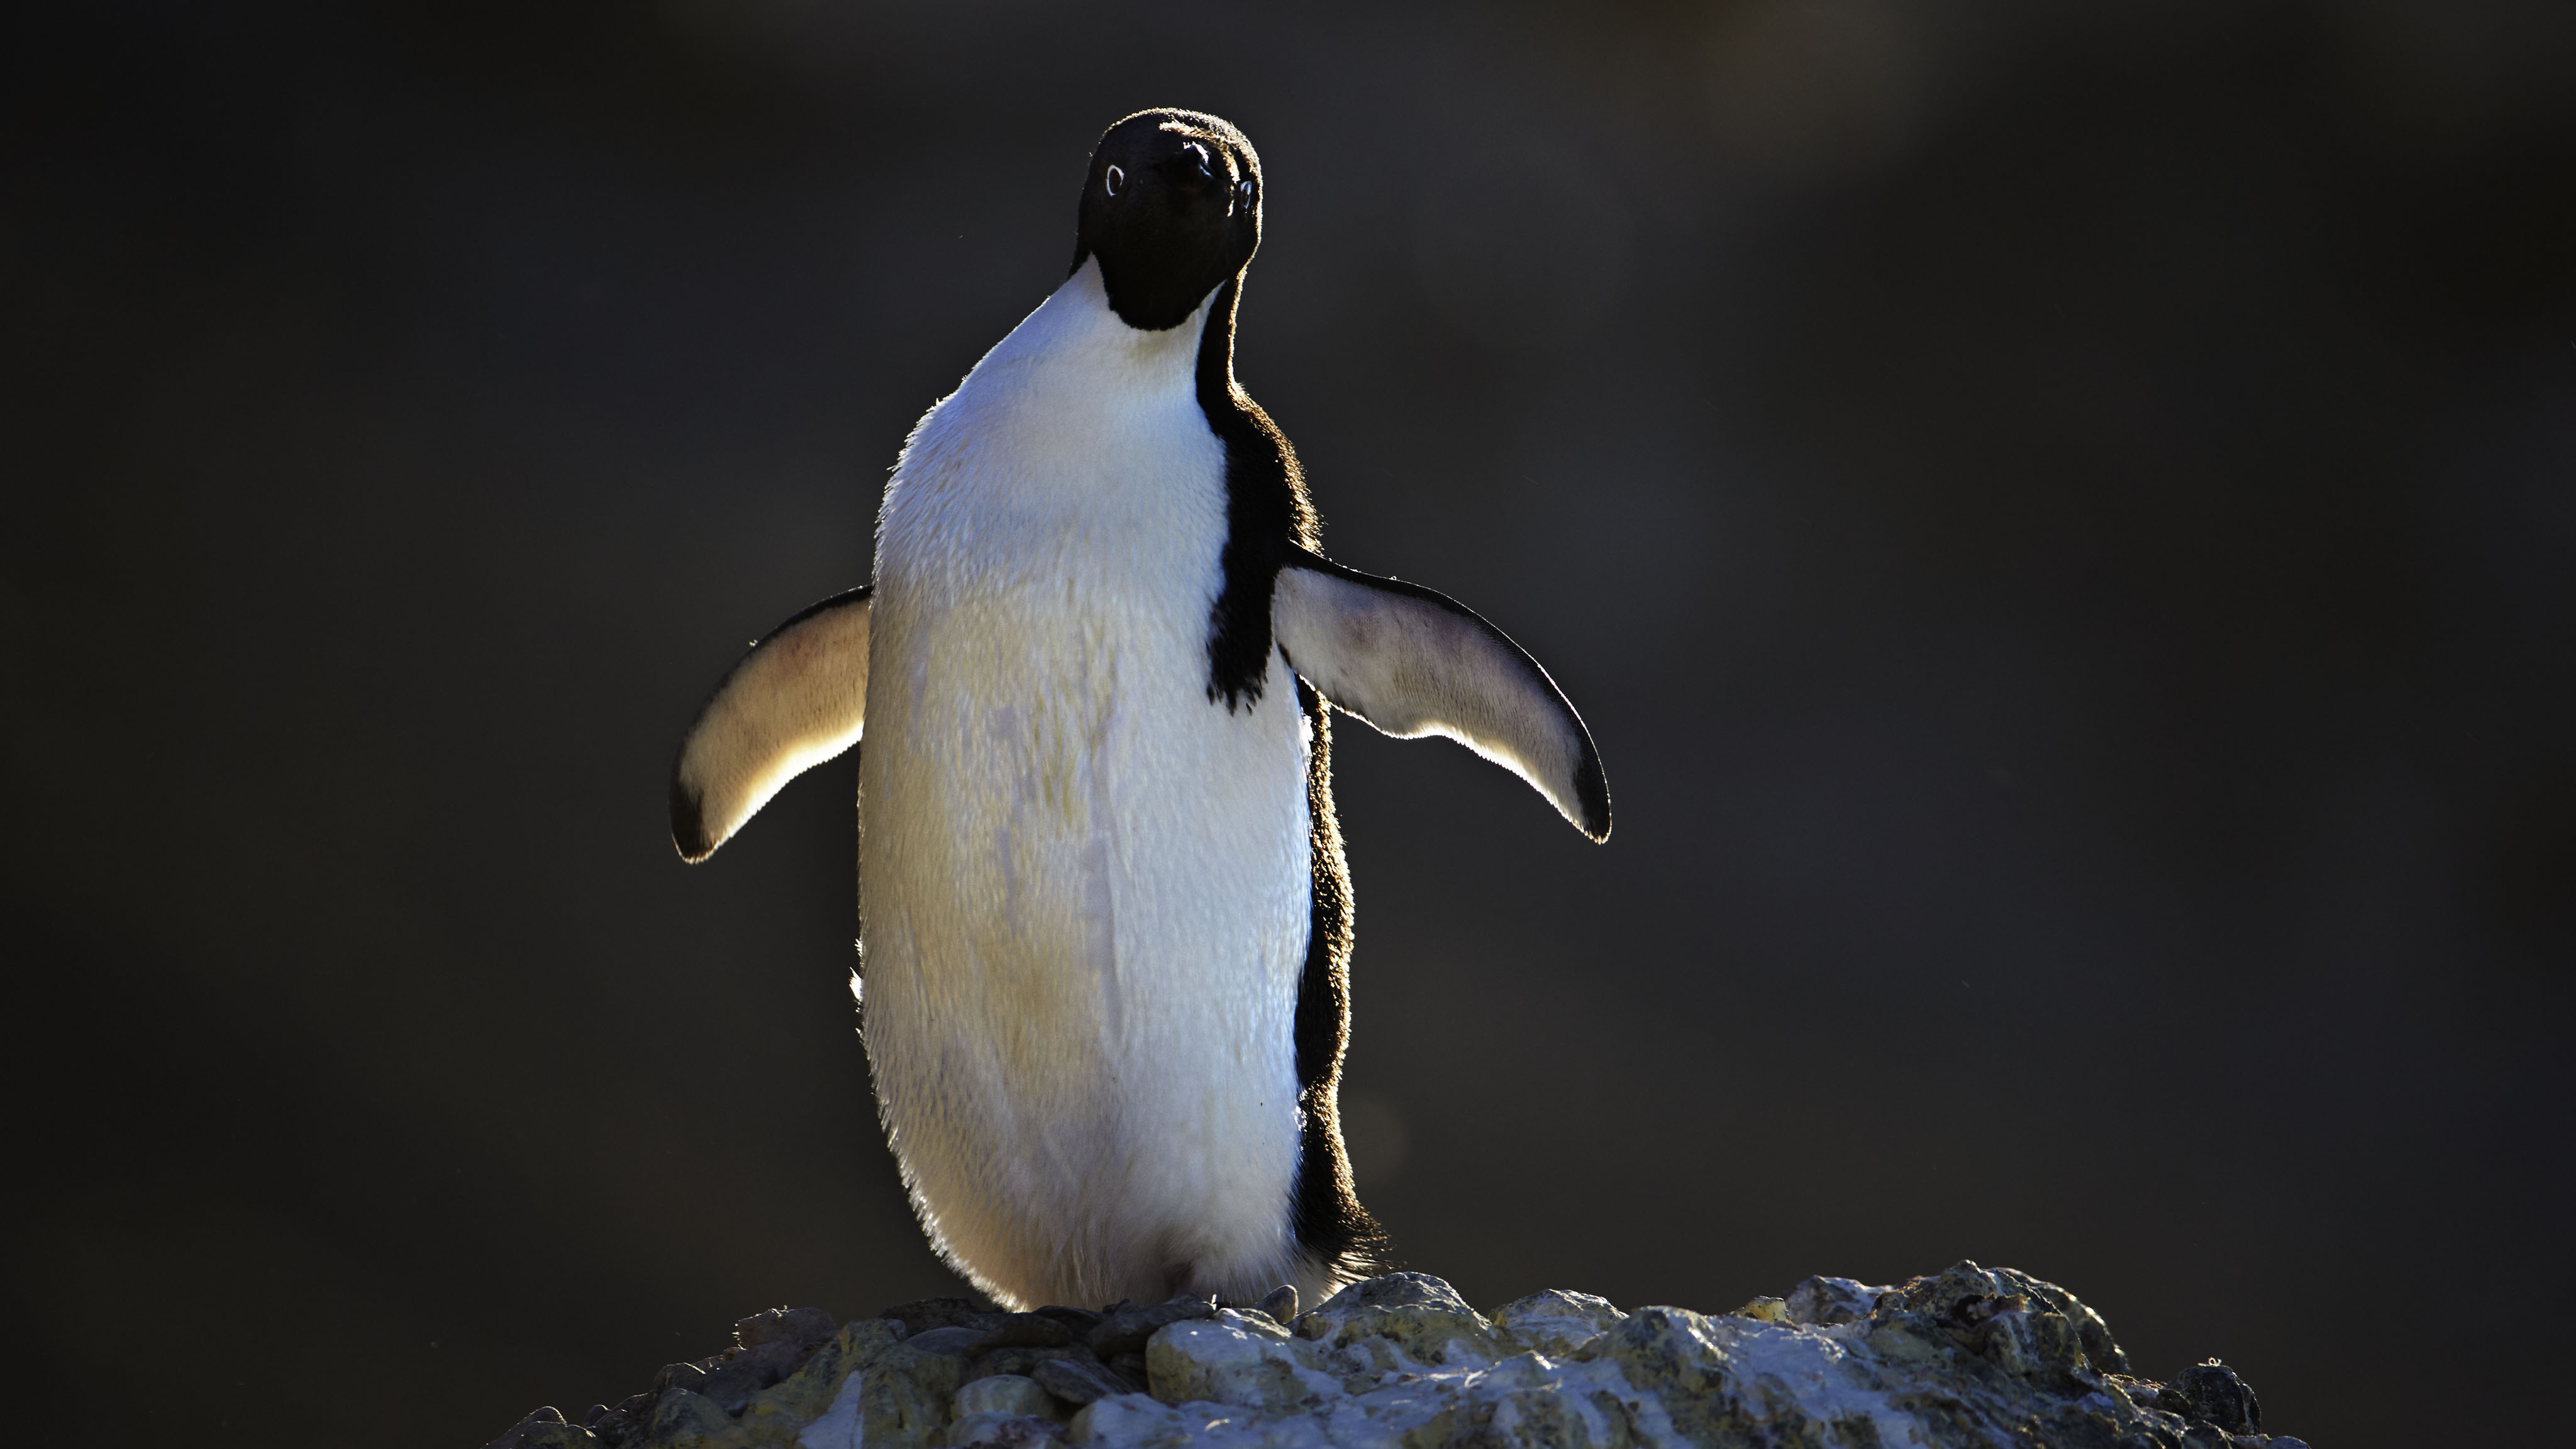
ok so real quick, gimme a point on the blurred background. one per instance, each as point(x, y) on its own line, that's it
point(2061, 519)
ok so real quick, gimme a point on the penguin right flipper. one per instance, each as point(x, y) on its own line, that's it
point(796, 700)
point(1410, 662)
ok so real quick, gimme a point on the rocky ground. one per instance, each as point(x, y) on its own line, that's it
point(1967, 1357)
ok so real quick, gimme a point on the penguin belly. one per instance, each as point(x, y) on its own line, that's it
point(1085, 886)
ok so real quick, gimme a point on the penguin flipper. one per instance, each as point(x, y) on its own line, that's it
point(796, 700)
point(1409, 662)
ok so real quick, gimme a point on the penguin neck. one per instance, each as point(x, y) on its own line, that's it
point(1077, 327)
point(1076, 426)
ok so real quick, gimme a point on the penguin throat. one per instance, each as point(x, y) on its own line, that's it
point(1102, 326)
point(1146, 304)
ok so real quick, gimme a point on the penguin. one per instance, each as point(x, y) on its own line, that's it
point(1105, 920)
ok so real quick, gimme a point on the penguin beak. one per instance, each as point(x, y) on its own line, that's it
point(1187, 171)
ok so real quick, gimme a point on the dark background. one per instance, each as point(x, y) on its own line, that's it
point(2064, 526)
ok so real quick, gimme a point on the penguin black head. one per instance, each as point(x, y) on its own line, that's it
point(1172, 208)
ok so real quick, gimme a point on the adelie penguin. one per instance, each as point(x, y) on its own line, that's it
point(1105, 922)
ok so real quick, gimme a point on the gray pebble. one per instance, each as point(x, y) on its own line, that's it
point(1019, 1360)
point(1079, 1381)
point(1031, 1330)
point(959, 1340)
point(1126, 1330)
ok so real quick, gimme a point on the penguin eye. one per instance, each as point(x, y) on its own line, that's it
point(1115, 177)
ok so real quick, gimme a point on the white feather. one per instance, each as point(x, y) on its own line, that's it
point(1084, 885)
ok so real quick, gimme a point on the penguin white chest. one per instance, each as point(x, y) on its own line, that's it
point(1084, 885)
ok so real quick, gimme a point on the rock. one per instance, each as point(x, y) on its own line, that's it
point(1236, 1358)
point(1415, 1314)
point(1006, 1395)
point(1080, 1320)
point(1005, 1431)
point(2212, 1393)
point(1031, 1330)
point(2089, 1327)
point(924, 1314)
point(1279, 1303)
point(1023, 1361)
point(1556, 1322)
point(1079, 1382)
point(906, 1394)
point(1961, 1359)
point(1825, 1302)
point(615, 1426)
point(807, 1328)
point(732, 1378)
point(1124, 1329)
point(679, 1376)
point(1130, 1419)
point(684, 1419)
point(960, 1340)
point(542, 1429)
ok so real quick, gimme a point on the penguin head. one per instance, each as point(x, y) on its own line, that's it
point(1172, 208)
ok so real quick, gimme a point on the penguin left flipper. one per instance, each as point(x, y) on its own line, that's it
point(796, 700)
point(1408, 662)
